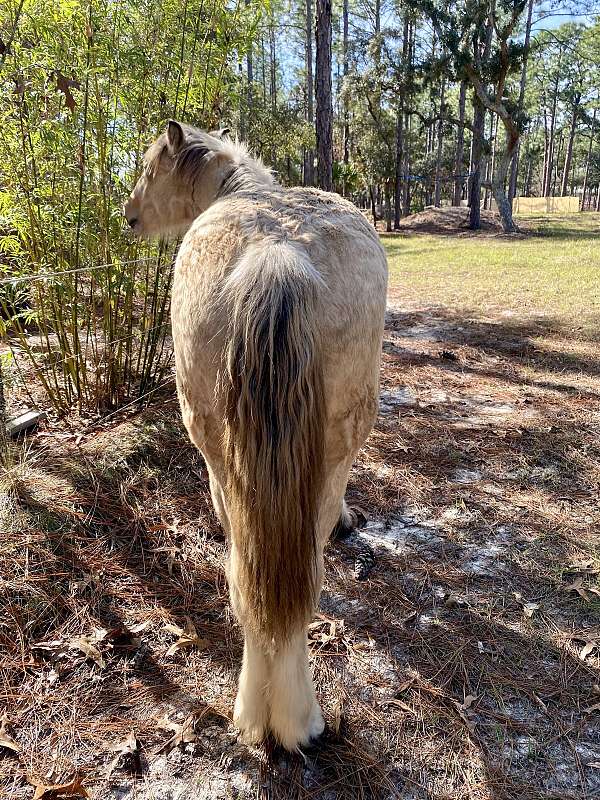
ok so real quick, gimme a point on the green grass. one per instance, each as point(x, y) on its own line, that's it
point(554, 271)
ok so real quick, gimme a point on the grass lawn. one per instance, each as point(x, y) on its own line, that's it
point(554, 273)
point(457, 647)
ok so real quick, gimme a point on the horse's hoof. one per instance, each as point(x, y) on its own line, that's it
point(359, 516)
point(316, 725)
point(292, 737)
point(351, 519)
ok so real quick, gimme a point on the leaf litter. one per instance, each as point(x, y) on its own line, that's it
point(421, 618)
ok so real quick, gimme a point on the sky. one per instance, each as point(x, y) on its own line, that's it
point(550, 15)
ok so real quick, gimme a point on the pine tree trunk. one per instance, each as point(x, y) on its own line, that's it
point(551, 140)
point(460, 145)
point(528, 174)
point(488, 165)
point(388, 209)
point(398, 173)
point(400, 124)
point(324, 117)
point(499, 187)
point(263, 65)
point(309, 157)
point(440, 142)
point(495, 121)
point(476, 153)
point(556, 163)
point(345, 74)
point(569, 153)
point(373, 206)
point(546, 152)
point(249, 86)
point(514, 167)
point(406, 196)
point(243, 130)
point(273, 81)
point(587, 162)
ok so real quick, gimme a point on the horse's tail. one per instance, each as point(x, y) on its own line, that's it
point(274, 437)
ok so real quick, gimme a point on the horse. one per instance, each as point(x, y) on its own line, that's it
point(277, 312)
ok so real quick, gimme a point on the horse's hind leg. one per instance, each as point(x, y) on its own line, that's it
point(295, 716)
point(251, 712)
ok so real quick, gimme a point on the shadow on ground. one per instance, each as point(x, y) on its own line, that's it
point(457, 668)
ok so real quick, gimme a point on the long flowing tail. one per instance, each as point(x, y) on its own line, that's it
point(274, 437)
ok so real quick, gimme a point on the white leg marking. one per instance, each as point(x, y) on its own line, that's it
point(251, 712)
point(295, 714)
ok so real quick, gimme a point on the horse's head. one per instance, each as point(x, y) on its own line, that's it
point(185, 170)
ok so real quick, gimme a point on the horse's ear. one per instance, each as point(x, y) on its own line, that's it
point(220, 133)
point(175, 136)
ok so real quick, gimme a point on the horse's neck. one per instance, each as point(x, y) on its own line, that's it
point(246, 176)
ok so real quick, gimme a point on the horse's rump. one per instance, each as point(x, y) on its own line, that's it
point(274, 435)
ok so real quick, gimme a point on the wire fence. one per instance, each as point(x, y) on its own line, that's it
point(70, 344)
point(43, 276)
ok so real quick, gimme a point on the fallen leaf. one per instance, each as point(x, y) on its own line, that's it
point(410, 619)
point(462, 709)
point(541, 703)
point(491, 650)
point(183, 733)
point(591, 709)
point(529, 609)
point(139, 627)
point(339, 719)
point(53, 676)
point(59, 648)
point(588, 648)
point(188, 637)
point(455, 601)
point(171, 553)
point(587, 592)
point(6, 741)
point(324, 630)
point(72, 789)
point(587, 567)
point(394, 701)
point(52, 646)
point(128, 755)
point(87, 648)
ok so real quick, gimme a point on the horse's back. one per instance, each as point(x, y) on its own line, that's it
point(340, 243)
point(350, 300)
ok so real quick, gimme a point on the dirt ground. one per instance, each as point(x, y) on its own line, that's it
point(454, 221)
point(457, 646)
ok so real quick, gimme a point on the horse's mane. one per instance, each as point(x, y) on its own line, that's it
point(199, 148)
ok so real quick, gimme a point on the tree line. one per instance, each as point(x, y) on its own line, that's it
point(398, 104)
point(425, 102)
